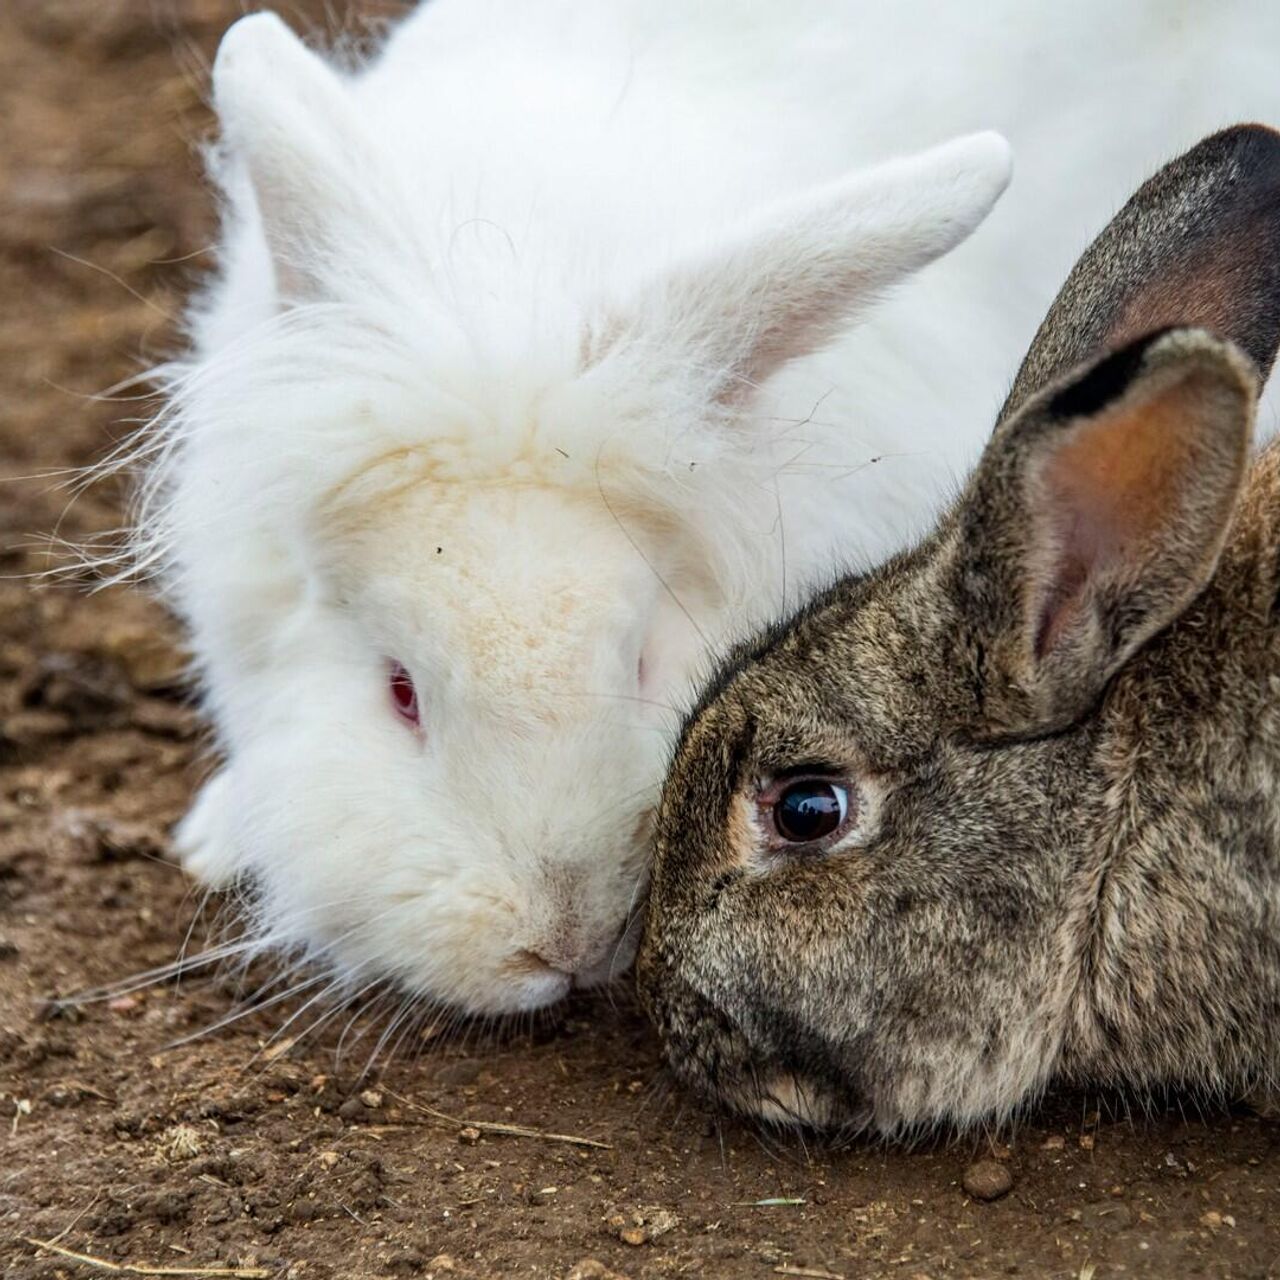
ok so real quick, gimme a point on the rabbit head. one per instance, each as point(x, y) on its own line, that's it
point(886, 833)
point(451, 525)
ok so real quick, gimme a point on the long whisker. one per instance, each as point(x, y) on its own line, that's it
point(639, 550)
point(237, 1015)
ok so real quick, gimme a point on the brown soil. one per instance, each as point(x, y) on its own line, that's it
point(220, 1154)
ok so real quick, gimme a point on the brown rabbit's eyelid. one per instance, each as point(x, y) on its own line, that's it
point(768, 779)
point(772, 849)
point(867, 796)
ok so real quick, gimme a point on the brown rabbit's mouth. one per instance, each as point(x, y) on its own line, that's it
point(790, 1100)
point(714, 1056)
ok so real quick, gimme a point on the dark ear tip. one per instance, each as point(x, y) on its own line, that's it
point(1106, 381)
point(1198, 244)
point(1259, 143)
point(1111, 377)
point(1247, 155)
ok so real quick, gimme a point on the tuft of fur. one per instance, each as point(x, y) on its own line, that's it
point(1057, 721)
point(516, 371)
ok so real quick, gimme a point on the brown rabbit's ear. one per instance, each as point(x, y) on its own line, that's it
point(1096, 515)
point(1197, 245)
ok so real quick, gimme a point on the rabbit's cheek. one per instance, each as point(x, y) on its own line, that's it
point(715, 1056)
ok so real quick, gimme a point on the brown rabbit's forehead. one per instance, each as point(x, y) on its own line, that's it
point(860, 685)
point(867, 677)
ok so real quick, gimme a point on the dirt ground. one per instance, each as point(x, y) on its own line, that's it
point(286, 1162)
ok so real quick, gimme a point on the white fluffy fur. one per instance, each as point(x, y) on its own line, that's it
point(514, 373)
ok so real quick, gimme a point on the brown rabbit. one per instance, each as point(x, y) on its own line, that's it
point(1007, 809)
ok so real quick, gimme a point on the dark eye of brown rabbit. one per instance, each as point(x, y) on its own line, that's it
point(810, 809)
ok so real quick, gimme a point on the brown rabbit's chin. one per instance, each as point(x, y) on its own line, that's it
point(780, 1096)
point(711, 1054)
point(792, 1101)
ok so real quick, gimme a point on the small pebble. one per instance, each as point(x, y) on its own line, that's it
point(408, 1261)
point(55, 1010)
point(328, 1158)
point(1086, 1142)
point(987, 1180)
point(358, 1111)
point(371, 1099)
point(469, 1136)
point(644, 1225)
point(1054, 1142)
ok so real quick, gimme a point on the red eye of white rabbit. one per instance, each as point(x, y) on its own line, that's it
point(404, 696)
point(806, 811)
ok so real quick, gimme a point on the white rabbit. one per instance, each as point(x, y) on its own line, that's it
point(507, 403)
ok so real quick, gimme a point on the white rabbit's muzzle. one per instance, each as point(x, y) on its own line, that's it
point(448, 910)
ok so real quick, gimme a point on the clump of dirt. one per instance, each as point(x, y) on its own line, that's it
point(280, 1156)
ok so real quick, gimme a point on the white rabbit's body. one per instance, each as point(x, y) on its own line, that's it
point(440, 413)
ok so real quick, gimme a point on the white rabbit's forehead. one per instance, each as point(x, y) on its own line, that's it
point(522, 591)
point(491, 541)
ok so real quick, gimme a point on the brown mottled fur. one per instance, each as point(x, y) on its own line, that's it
point(1064, 706)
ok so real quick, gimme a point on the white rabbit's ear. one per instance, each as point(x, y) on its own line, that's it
point(288, 117)
point(782, 284)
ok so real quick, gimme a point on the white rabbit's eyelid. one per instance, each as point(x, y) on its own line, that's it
point(403, 694)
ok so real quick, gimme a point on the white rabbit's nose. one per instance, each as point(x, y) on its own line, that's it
point(536, 961)
point(574, 957)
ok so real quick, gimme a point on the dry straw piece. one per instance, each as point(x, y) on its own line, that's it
point(136, 1269)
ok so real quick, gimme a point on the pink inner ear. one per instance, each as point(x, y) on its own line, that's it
point(1062, 605)
point(1103, 496)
